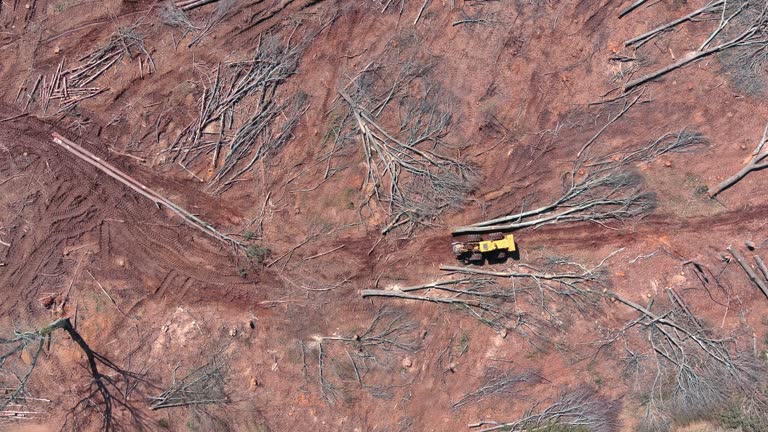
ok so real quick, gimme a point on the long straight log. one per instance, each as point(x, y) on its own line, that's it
point(541, 276)
point(690, 59)
point(761, 266)
point(436, 284)
point(193, 4)
point(402, 295)
point(671, 24)
point(141, 189)
point(631, 8)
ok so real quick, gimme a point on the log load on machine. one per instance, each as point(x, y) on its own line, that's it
point(475, 250)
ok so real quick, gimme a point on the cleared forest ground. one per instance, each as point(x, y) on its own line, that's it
point(336, 145)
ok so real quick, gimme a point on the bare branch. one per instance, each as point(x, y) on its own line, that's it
point(363, 352)
point(500, 384)
point(203, 385)
point(580, 407)
point(757, 163)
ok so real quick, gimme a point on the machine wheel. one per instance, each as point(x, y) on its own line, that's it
point(474, 238)
point(501, 255)
point(496, 236)
point(476, 258)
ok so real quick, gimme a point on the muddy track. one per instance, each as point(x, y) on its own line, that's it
point(58, 202)
point(649, 229)
point(652, 226)
point(70, 204)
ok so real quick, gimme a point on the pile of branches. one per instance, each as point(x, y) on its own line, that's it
point(742, 27)
point(598, 189)
point(176, 14)
point(401, 120)
point(204, 385)
point(235, 144)
point(68, 87)
point(536, 303)
point(695, 373)
point(580, 408)
point(345, 362)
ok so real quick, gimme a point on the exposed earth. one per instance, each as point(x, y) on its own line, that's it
point(539, 95)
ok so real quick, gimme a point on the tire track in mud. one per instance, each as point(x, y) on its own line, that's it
point(652, 226)
point(73, 202)
point(59, 214)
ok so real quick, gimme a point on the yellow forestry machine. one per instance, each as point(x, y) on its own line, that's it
point(474, 250)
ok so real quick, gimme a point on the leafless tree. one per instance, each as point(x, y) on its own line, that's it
point(204, 385)
point(270, 128)
point(758, 162)
point(742, 26)
point(106, 392)
point(580, 407)
point(598, 189)
point(713, 7)
point(401, 119)
point(235, 145)
point(693, 372)
point(500, 383)
point(346, 359)
point(537, 303)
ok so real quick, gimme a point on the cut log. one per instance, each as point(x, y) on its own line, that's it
point(751, 273)
point(402, 295)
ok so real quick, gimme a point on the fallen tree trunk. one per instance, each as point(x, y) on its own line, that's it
point(650, 34)
point(690, 59)
point(544, 276)
point(193, 4)
point(631, 8)
point(757, 163)
point(761, 266)
point(402, 295)
point(730, 181)
point(751, 273)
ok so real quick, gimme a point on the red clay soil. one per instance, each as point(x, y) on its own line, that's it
point(156, 296)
